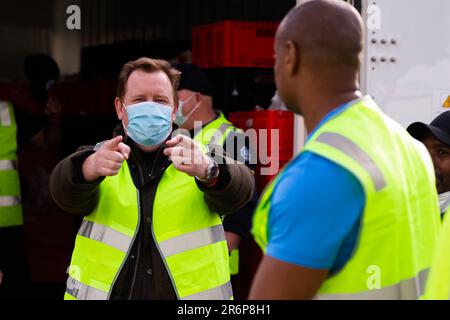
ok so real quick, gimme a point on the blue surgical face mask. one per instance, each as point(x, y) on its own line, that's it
point(149, 123)
point(180, 118)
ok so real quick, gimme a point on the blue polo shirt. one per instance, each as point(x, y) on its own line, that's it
point(315, 213)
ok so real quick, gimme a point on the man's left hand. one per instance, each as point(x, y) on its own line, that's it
point(187, 156)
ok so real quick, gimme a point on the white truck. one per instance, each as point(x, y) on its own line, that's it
point(406, 64)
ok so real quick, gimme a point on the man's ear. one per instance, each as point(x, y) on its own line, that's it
point(291, 58)
point(197, 98)
point(119, 108)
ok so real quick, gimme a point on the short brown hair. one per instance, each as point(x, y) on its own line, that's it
point(148, 65)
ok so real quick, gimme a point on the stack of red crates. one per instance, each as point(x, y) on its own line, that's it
point(283, 121)
point(234, 44)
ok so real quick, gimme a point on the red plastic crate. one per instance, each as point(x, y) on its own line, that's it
point(269, 119)
point(76, 98)
point(234, 44)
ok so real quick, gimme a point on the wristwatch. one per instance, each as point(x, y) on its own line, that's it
point(211, 172)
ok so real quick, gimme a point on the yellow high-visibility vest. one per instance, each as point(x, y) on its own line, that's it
point(438, 286)
point(401, 217)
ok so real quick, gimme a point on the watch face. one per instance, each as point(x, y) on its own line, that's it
point(213, 172)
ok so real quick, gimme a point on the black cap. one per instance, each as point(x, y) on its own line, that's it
point(439, 128)
point(195, 79)
point(41, 68)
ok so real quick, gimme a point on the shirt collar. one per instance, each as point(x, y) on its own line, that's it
point(444, 201)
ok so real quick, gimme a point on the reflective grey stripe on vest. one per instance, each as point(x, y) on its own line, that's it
point(81, 291)
point(223, 292)
point(352, 150)
point(410, 289)
point(5, 117)
point(222, 129)
point(192, 240)
point(9, 201)
point(104, 235)
point(7, 165)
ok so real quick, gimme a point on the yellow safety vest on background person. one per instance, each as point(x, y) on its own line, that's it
point(438, 286)
point(10, 202)
point(234, 262)
point(400, 221)
point(189, 236)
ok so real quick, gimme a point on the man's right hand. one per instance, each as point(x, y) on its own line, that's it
point(107, 160)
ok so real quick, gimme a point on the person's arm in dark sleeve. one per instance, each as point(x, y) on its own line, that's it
point(70, 191)
point(238, 224)
point(235, 186)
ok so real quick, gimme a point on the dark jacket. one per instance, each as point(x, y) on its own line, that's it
point(144, 275)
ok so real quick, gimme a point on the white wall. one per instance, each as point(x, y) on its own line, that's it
point(66, 44)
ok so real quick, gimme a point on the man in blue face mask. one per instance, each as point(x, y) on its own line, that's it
point(151, 202)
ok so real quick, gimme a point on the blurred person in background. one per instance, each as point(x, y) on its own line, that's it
point(436, 137)
point(196, 108)
point(19, 128)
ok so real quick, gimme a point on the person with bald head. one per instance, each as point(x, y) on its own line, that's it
point(355, 215)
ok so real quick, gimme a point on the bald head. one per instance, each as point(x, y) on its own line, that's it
point(328, 34)
point(318, 50)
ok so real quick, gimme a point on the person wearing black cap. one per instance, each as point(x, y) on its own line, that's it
point(436, 137)
point(196, 109)
point(19, 128)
